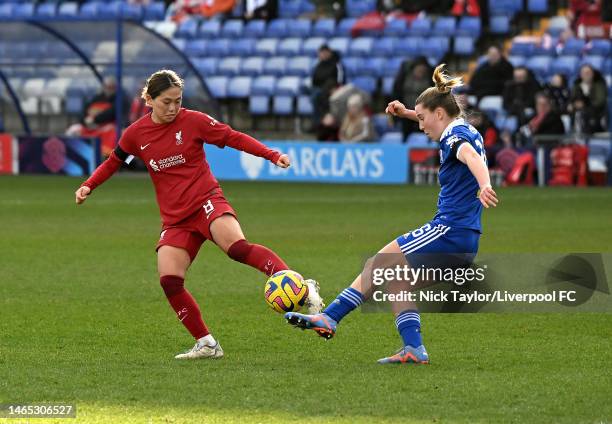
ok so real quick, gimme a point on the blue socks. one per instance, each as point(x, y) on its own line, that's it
point(409, 326)
point(346, 301)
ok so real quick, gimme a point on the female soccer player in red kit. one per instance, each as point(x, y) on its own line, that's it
point(169, 140)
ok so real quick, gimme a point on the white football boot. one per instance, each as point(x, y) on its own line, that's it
point(202, 351)
point(314, 302)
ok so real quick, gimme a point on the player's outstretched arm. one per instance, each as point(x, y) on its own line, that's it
point(101, 174)
point(477, 166)
point(397, 108)
point(246, 143)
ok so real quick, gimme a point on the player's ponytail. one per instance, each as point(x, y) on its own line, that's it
point(161, 81)
point(440, 95)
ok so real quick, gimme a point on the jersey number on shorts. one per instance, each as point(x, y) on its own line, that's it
point(420, 231)
point(208, 208)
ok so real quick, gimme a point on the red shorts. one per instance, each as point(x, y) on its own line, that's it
point(190, 233)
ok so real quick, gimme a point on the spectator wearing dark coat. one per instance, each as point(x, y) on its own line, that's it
point(326, 76)
point(490, 77)
point(591, 85)
point(411, 80)
point(518, 93)
point(547, 121)
point(559, 92)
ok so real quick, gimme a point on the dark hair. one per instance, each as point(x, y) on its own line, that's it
point(440, 95)
point(161, 81)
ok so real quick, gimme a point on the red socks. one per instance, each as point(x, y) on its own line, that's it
point(184, 305)
point(257, 256)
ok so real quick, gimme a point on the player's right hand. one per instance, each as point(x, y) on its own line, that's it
point(81, 194)
point(396, 108)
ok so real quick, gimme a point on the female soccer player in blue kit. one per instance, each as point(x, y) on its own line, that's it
point(455, 228)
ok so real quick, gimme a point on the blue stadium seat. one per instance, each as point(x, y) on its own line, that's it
point(345, 26)
point(353, 65)
point(361, 46)
point(540, 65)
point(259, 105)
point(491, 105)
point(311, 45)
point(282, 105)
point(289, 8)
point(242, 47)
point(537, 6)
point(387, 85)
point(464, 45)
point(255, 28)
point(68, 10)
point(232, 28)
point(566, 65)
point(194, 48)
point(46, 10)
point(573, 46)
point(206, 66)
point(358, 8)
point(381, 124)
point(299, 28)
point(469, 25)
point(410, 46)
point(324, 28)
point(6, 11)
point(420, 26)
point(239, 87)
point(417, 139)
point(500, 24)
point(131, 11)
point(217, 86)
point(23, 10)
point(544, 50)
point(445, 25)
point(393, 66)
point(304, 105)
point(218, 47)
point(275, 66)
point(367, 84)
point(89, 10)
point(290, 46)
point(509, 7)
point(596, 62)
point(599, 47)
point(517, 61)
point(277, 28)
point(187, 29)
point(210, 29)
point(155, 11)
point(264, 85)
point(557, 25)
point(308, 7)
point(288, 86)
point(396, 28)
point(252, 66)
point(229, 66)
point(392, 137)
point(339, 44)
point(266, 47)
point(435, 48)
point(300, 66)
point(384, 46)
point(522, 49)
point(373, 67)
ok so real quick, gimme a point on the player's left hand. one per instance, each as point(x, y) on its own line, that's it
point(487, 196)
point(283, 161)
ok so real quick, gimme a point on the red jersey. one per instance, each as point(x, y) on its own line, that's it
point(175, 159)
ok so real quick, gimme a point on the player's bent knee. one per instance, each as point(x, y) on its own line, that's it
point(172, 284)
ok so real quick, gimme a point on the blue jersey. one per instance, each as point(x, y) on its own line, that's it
point(458, 204)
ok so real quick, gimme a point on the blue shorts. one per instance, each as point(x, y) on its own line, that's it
point(437, 244)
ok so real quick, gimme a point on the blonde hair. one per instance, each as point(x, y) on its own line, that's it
point(440, 94)
point(160, 81)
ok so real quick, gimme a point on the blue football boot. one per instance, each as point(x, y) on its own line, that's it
point(322, 324)
point(407, 355)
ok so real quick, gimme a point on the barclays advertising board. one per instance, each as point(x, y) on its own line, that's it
point(315, 162)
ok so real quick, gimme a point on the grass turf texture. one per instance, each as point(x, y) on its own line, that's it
point(83, 319)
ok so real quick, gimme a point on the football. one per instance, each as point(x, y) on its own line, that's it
point(286, 291)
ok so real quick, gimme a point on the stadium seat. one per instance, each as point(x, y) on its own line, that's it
point(217, 47)
point(387, 85)
point(23, 11)
point(596, 62)
point(242, 47)
point(164, 28)
point(373, 67)
point(229, 66)
point(210, 29)
point(537, 6)
point(304, 105)
point(57, 87)
point(573, 46)
point(445, 25)
point(46, 10)
point(264, 85)
point(361, 46)
point(68, 10)
point(186, 29)
point(396, 28)
point(392, 137)
point(288, 86)
point(358, 8)
point(131, 11)
point(517, 61)
point(276, 66)
point(509, 7)
point(89, 10)
point(365, 83)
point(345, 26)
point(410, 46)
point(300, 66)
point(259, 105)
point(544, 50)
point(381, 123)
point(393, 66)
point(384, 46)
point(74, 105)
point(353, 65)
point(206, 66)
point(194, 48)
point(500, 24)
point(33, 87)
point(155, 11)
point(522, 49)
point(277, 28)
point(557, 25)
point(324, 28)
point(232, 28)
point(417, 139)
point(299, 28)
point(491, 105)
point(252, 66)
point(464, 45)
point(420, 27)
point(217, 86)
point(239, 87)
point(266, 47)
point(255, 28)
point(469, 25)
point(540, 65)
point(311, 45)
point(282, 105)
point(566, 65)
point(289, 8)
point(339, 44)
point(435, 48)
point(599, 47)
point(290, 46)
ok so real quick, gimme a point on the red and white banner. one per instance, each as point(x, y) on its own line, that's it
point(8, 154)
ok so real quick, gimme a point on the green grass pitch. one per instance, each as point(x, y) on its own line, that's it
point(83, 319)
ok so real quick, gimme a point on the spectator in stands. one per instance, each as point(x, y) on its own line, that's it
point(518, 93)
point(490, 77)
point(328, 128)
point(357, 124)
point(411, 80)
point(261, 9)
point(547, 121)
point(559, 92)
point(415, 6)
point(327, 75)
point(591, 85)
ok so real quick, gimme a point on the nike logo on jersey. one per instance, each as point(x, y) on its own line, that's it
point(144, 147)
